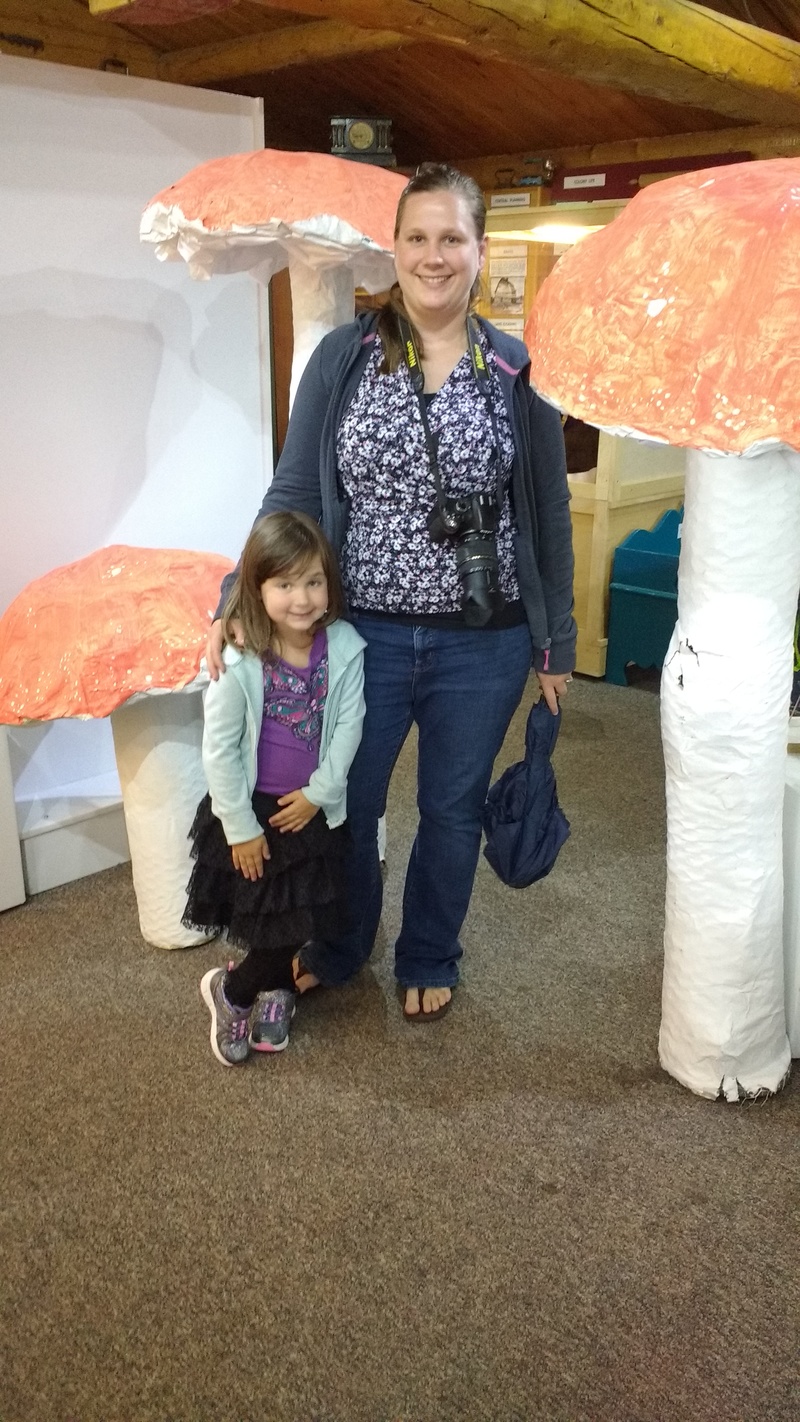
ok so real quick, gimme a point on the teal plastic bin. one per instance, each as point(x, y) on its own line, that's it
point(643, 601)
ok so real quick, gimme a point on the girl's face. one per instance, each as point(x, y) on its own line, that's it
point(296, 598)
point(437, 255)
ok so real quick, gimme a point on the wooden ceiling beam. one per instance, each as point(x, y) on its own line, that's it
point(665, 49)
point(63, 32)
point(277, 49)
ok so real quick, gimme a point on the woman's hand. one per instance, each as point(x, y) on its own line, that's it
point(296, 813)
point(216, 638)
point(249, 857)
point(553, 688)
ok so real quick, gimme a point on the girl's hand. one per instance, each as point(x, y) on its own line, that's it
point(296, 814)
point(249, 857)
point(553, 688)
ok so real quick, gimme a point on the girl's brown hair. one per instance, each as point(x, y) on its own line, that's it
point(278, 543)
point(429, 178)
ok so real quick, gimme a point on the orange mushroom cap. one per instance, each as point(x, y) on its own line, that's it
point(222, 215)
point(680, 321)
point(84, 638)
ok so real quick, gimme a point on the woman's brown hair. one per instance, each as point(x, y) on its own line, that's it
point(278, 543)
point(429, 178)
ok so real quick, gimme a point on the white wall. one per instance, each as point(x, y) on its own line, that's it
point(134, 405)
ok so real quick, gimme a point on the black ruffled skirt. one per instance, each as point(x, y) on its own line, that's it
point(301, 895)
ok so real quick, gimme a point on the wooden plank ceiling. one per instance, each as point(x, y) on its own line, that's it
point(460, 79)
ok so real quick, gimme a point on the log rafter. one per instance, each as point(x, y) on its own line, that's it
point(673, 50)
point(277, 49)
point(69, 35)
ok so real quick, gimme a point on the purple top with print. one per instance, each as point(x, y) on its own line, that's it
point(390, 563)
point(294, 700)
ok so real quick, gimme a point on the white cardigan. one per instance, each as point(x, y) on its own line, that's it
point(234, 708)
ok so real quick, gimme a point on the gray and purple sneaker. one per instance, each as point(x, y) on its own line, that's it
point(269, 1024)
point(229, 1024)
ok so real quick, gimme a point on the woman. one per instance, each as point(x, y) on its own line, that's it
point(440, 479)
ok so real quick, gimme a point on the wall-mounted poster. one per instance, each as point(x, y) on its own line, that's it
point(507, 268)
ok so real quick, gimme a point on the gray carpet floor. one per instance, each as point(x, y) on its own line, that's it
point(512, 1214)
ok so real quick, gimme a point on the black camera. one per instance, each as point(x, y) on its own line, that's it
point(470, 522)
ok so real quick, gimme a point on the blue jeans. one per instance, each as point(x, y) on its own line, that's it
point(461, 688)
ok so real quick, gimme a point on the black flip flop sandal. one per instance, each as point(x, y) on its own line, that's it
point(421, 1016)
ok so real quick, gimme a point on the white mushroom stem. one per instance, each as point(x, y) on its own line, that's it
point(725, 699)
point(157, 739)
point(323, 297)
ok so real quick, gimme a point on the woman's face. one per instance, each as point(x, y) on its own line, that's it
point(437, 255)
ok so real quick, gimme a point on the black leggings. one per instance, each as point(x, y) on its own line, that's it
point(260, 972)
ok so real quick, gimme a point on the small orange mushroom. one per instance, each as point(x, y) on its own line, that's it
point(86, 637)
point(109, 635)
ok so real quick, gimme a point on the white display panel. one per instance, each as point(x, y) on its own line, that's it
point(12, 890)
point(135, 400)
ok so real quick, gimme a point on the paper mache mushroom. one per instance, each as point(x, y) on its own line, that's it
point(680, 322)
point(112, 634)
point(329, 220)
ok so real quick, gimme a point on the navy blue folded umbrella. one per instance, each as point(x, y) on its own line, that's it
point(523, 822)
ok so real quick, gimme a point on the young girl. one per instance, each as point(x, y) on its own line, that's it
point(281, 729)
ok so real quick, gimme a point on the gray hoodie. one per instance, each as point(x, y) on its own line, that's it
point(234, 709)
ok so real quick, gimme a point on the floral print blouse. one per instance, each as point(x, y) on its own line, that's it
point(390, 564)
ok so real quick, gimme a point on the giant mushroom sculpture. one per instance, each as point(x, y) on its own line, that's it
point(680, 322)
point(329, 220)
point(110, 635)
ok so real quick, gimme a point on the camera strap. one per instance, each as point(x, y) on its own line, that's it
point(483, 381)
